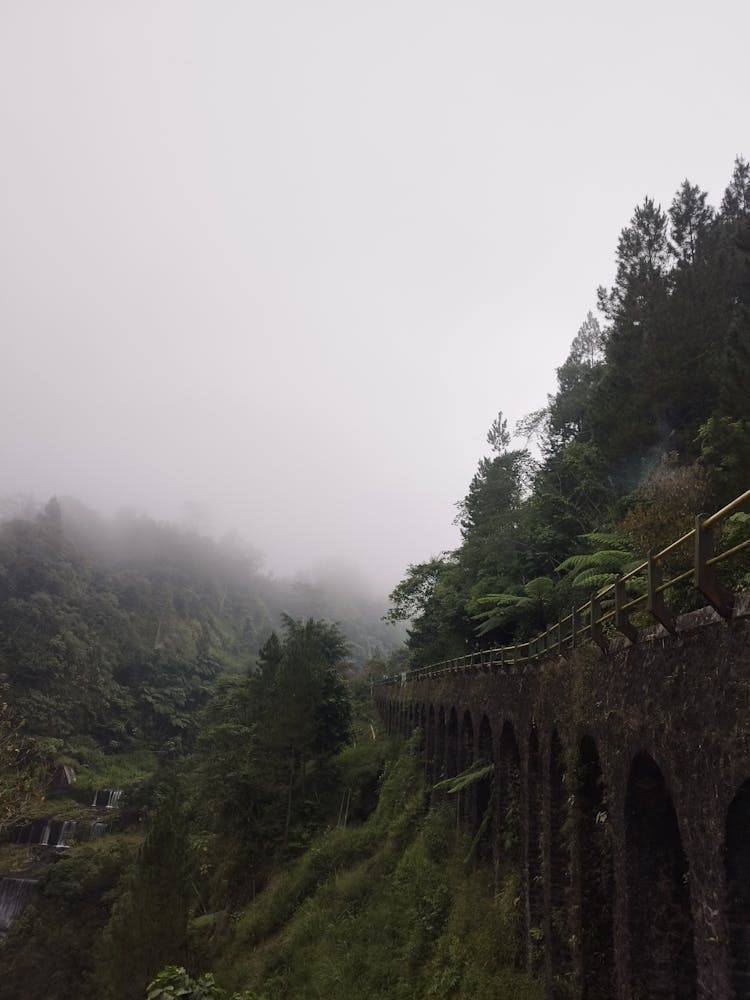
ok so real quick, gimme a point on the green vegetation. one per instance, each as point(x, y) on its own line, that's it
point(388, 909)
point(173, 982)
point(648, 426)
point(270, 833)
point(116, 630)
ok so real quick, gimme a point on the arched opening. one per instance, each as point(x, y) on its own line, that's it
point(451, 745)
point(439, 771)
point(533, 861)
point(557, 946)
point(429, 748)
point(509, 796)
point(737, 859)
point(508, 842)
point(662, 961)
point(466, 804)
point(484, 795)
point(597, 880)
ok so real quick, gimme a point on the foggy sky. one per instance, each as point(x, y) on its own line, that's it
point(285, 261)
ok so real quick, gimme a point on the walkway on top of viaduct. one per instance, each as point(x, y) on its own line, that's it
point(628, 777)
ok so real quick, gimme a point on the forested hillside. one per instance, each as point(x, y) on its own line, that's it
point(117, 628)
point(650, 424)
point(267, 829)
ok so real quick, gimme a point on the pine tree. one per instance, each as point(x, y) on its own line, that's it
point(735, 205)
point(691, 218)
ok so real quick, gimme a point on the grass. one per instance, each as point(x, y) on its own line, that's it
point(97, 770)
point(384, 911)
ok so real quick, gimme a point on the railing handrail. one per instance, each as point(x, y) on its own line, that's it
point(587, 619)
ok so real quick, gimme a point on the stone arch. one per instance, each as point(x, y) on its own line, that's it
point(660, 923)
point(429, 748)
point(509, 795)
point(557, 950)
point(466, 804)
point(440, 745)
point(451, 745)
point(484, 791)
point(533, 851)
point(596, 877)
point(508, 837)
point(737, 862)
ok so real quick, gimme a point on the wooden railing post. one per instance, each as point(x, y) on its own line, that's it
point(655, 601)
point(597, 632)
point(622, 622)
point(704, 577)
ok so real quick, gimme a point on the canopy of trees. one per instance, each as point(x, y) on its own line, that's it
point(651, 414)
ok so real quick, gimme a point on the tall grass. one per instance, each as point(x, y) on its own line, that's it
point(384, 911)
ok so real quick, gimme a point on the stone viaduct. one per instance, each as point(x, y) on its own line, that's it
point(621, 792)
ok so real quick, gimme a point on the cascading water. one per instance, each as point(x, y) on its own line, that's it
point(55, 833)
point(67, 831)
point(107, 798)
point(15, 893)
point(97, 830)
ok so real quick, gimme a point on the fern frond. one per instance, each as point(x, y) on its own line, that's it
point(607, 540)
point(574, 562)
point(605, 560)
point(591, 580)
point(499, 599)
point(540, 587)
point(467, 778)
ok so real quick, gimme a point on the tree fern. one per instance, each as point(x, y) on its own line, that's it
point(504, 608)
point(590, 571)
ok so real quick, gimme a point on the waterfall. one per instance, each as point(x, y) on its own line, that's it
point(67, 830)
point(108, 798)
point(15, 893)
point(44, 839)
point(98, 829)
point(114, 798)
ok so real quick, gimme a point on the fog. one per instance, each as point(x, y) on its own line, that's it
point(275, 267)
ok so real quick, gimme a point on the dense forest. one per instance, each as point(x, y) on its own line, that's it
point(649, 425)
point(264, 827)
point(116, 628)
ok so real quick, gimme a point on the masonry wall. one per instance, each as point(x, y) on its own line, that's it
point(630, 767)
